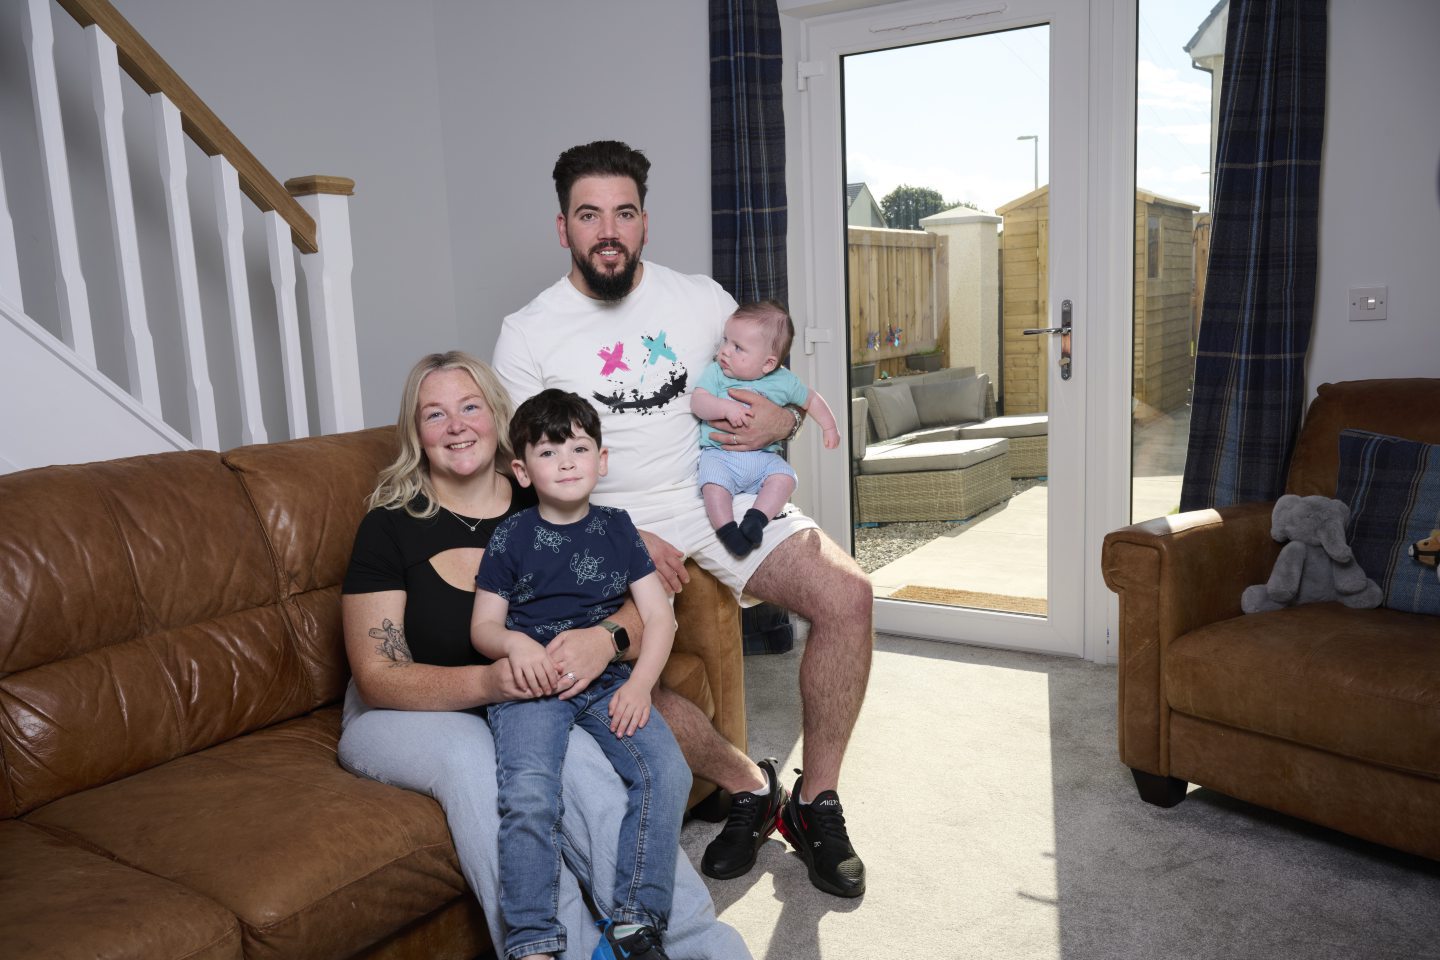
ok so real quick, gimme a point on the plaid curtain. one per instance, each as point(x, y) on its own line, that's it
point(1260, 293)
point(747, 150)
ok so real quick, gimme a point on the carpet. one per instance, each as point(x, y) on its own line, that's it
point(983, 789)
point(1035, 606)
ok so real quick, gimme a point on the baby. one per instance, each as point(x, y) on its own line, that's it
point(757, 336)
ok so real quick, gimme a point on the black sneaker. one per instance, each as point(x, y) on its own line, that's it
point(817, 832)
point(752, 818)
point(643, 944)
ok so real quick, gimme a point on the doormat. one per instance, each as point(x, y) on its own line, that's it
point(1033, 606)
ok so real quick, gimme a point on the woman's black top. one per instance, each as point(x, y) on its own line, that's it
point(392, 552)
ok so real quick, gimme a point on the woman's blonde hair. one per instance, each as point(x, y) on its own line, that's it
point(408, 477)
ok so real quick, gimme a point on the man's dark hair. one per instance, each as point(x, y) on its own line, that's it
point(552, 414)
point(601, 158)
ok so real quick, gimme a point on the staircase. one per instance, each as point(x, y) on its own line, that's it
point(159, 288)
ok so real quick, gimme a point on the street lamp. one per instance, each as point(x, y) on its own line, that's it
point(1036, 139)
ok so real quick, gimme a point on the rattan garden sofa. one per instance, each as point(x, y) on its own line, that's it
point(930, 447)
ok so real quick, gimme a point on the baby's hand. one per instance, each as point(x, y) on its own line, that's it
point(831, 438)
point(629, 709)
point(737, 414)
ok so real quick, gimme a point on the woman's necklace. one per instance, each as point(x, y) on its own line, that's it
point(472, 527)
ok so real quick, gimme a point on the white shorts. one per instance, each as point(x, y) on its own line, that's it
point(690, 533)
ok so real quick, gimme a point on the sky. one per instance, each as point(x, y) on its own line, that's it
point(946, 115)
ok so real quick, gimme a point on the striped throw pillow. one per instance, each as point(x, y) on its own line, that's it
point(1392, 486)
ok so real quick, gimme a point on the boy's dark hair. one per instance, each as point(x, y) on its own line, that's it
point(775, 319)
point(552, 414)
point(600, 158)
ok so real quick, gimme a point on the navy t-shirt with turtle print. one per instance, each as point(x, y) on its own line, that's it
point(560, 577)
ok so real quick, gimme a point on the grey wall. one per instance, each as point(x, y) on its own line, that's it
point(1380, 192)
point(449, 114)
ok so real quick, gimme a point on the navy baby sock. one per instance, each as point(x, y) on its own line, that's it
point(752, 525)
point(733, 539)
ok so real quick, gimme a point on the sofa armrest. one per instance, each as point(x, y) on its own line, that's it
point(1173, 575)
point(708, 621)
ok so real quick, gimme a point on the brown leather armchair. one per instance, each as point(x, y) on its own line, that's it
point(171, 665)
point(1319, 711)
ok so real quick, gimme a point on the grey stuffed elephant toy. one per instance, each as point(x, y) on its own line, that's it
point(1316, 564)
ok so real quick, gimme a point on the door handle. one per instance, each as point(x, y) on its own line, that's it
point(1065, 329)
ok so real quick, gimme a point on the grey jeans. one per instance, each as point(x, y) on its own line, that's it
point(450, 756)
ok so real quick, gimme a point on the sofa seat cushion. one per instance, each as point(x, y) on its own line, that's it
point(53, 891)
point(1364, 684)
point(1020, 425)
point(313, 860)
point(941, 455)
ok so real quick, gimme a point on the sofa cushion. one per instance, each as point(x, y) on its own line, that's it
point(103, 908)
point(946, 402)
point(859, 426)
point(892, 410)
point(1019, 425)
point(941, 455)
point(1392, 487)
point(269, 826)
point(1364, 684)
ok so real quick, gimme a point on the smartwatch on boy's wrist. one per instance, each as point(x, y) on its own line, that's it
point(618, 636)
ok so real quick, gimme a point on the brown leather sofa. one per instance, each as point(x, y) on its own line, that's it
point(171, 667)
point(1319, 711)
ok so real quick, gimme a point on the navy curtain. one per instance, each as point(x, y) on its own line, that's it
point(1260, 293)
point(747, 195)
point(747, 150)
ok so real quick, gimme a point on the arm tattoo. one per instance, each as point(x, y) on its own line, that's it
point(392, 643)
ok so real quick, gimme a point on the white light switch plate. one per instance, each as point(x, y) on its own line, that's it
point(1368, 303)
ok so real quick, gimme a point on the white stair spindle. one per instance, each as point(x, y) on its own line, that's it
point(200, 395)
point(282, 275)
point(70, 289)
point(10, 290)
point(226, 183)
point(109, 110)
point(332, 313)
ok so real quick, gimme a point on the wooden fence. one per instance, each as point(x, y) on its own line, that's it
point(898, 288)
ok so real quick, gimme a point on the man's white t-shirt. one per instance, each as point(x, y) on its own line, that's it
point(637, 360)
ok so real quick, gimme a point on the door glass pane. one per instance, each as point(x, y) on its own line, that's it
point(947, 206)
point(1181, 50)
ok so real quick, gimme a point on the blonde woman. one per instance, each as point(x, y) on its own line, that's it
point(413, 712)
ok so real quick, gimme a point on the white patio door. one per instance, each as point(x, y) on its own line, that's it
point(1040, 201)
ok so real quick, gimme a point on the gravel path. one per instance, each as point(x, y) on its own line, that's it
point(877, 546)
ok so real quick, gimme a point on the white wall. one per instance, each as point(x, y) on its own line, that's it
point(1380, 192)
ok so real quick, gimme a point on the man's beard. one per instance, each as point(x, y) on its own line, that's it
point(608, 285)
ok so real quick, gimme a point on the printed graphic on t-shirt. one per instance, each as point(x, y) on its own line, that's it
point(659, 379)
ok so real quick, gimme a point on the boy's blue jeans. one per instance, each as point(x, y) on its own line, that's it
point(530, 741)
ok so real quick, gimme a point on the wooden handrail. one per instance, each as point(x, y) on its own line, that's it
point(154, 75)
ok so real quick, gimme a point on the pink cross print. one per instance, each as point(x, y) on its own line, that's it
point(614, 359)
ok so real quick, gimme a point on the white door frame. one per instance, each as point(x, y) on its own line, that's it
point(1103, 294)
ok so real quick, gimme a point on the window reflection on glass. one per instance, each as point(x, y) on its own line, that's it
point(1180, 52)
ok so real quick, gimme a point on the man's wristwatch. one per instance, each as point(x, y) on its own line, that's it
point(618, 636)
point(799, 421)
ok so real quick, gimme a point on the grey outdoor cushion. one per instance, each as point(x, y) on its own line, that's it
point(1020, 425)
point(892, 411)
point(950, 402)
point(941, 455)
point(859, 426)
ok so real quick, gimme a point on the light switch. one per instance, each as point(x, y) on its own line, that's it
point(1368, 303)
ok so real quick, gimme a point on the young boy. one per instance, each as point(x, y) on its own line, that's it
point(757, 336)
point(563, 565)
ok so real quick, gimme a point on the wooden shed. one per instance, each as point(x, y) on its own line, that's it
point(1164, 284)
point(1164, 274)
